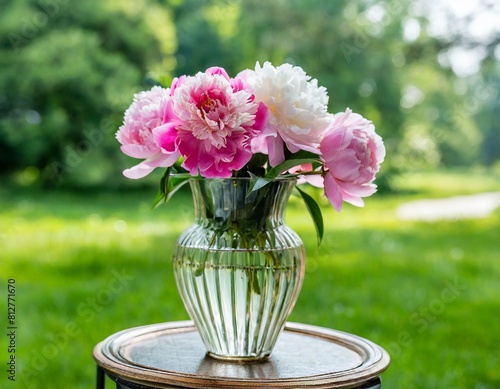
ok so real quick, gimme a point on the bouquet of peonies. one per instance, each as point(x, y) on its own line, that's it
point(261, 124)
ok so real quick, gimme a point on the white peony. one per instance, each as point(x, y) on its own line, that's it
point(297, 106)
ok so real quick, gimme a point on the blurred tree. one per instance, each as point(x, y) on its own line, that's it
point(381, 59)
point(466, 49)
point(349, 46)
point(204, 35)
point(435, 127)
point(68, 73)
point(486, 91)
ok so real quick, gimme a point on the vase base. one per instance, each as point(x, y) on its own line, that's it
point(238, 358)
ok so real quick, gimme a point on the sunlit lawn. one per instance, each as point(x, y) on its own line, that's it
point(89, 264)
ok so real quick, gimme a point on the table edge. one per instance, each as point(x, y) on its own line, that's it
point(322, 381)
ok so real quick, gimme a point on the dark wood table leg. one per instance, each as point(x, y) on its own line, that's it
point(100, 381)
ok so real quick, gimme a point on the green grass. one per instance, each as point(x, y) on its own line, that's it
point(87, 265)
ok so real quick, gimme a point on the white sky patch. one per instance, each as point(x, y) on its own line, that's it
point(411, 96)
point(466, 62)
point(376, 13)
point(483, 25)
point(411, 30)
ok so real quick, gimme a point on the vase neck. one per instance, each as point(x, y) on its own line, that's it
point(225, 202)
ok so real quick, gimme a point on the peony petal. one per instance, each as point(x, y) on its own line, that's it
point(261, 117)
point(305, 167)
point(353, 200)
point(346, 166)
point(138, 171)
point(212, 172)
point(168, 112)
point(144, 114)
point(333, 142)
point(351, 150)
point(379, 148)
point(138, 151)
point(259, 145)
point(333, 192)
point(358, 190)
point(216, 70)
point(316, 180)
point(215, 122)
point(240, 159)
point(297, 106)
point(297, 146)
point(276, 150)
point(176, 82)
point(147, 166)
point(166, 136)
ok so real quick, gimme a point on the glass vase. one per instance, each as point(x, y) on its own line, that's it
point(239, 267)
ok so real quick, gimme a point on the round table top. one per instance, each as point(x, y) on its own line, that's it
point(173, 355)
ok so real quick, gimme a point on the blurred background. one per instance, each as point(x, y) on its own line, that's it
point(426, 72)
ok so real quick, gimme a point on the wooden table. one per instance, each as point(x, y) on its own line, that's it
point(172, 355)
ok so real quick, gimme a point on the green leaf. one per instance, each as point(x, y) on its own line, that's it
point(301, 154)
point(257, 183)
point(159, 197)
point(255, 166)
point(164, 181)
point(162, 194)
point(277, 170)
point(169, 184)
point(315, 212)
point(176, 182)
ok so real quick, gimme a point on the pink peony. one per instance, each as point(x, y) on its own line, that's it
point(312, 179)
point(210, 121)
point(144, 114)
point(297, 106)
point(352, 153)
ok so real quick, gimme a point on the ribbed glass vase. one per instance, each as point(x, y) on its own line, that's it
point(239, 267)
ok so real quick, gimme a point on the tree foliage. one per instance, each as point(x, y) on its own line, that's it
point(69, 70)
